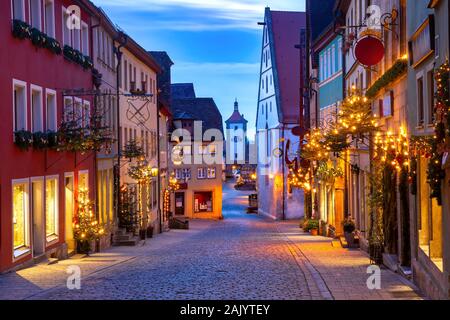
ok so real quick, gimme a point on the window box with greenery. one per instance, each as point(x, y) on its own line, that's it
point(77, 57)
point(23, 139)
point(23, 30)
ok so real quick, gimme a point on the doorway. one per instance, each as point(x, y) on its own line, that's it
point(179, 203)
point(69, 212)
point(37, 207)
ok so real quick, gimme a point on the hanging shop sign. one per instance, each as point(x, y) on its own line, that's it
point(369, 51)
point(367, 45)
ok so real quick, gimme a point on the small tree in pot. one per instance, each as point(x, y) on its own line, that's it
point(349, 230)
point(87, 229)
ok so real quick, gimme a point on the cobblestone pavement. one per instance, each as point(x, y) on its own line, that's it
point(241, 257)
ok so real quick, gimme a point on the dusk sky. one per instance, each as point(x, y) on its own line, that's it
point(215, 44)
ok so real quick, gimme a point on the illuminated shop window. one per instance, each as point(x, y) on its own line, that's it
point(51, 209)
point(20, 217)
point(429, 219)
point(83, 180)
point(203, 202)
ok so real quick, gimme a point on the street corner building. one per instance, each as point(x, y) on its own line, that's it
point(199, 121)
point(41, 62)
point(279, 111)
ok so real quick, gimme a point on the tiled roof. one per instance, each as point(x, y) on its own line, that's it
point(200, 109)
point(236, 117)
point(183, 91)
point(285, 29)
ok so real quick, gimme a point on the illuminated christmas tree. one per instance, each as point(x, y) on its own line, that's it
point(87, 228)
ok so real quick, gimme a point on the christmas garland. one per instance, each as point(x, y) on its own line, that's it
point(398, 69)
point(77, 57)
point(441, 142)
point(23, 30)
point(132, 150)
point(328, 174)
point(38, 140)
point(74, 138)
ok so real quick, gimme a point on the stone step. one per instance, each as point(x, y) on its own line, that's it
point(126, 243)
point(40, 259)
point(343, 242)
point(336, 243)
point(120, 232)
point(44, 260)
point(123, 237)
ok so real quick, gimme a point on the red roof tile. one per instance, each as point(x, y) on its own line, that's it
point(286, 28)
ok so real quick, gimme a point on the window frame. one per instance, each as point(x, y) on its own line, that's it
point(201, 173)
point(30, 17)
point(35, 88)
point(78, 111)
point(23, 17)
point(53, 33)
point(19, 252)
point(82, 173)
point(52, 238)
point(430, 85)
point(65, 115)
point(50, 92)
point(24, 86)
point(420, 100)
point(86, 116)
point(211, 173)
point(212, 202)
point(84, 42)
point(64, 28)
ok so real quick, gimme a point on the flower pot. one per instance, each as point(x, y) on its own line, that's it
point(349, 237)
point(83, 247)
point(314, 232)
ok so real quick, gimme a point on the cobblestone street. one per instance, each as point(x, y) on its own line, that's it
point(242, 257)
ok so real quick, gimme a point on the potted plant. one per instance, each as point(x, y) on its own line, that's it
point(349, 230)
point(312, 226)
point(304, 225)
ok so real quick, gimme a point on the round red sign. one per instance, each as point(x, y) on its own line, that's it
point(369, 51)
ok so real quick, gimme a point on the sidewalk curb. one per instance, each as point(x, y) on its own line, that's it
point(301, 259)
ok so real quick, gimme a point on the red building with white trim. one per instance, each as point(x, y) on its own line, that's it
point(38, 186)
